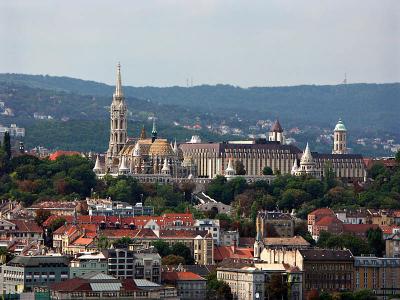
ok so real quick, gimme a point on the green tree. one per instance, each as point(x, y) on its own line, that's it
point(172, 260)
point(397, 157)
point(162, 248)
point(180, 249)
point(267, 171)
point(376, 241)
point(56, 223)
point(41, 216)
point(239, 168)
point(356, 245)
point(217, 289)
point(292, 198)
point(329, 176)
point(103, 243)
point(158, 203)
point(276, 288)
point(123, 242)
point(7, 145)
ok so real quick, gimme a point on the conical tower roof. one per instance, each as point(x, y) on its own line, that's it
point(97, 166)
point(230, 170)
point(306, 158)
point(165, 167)
point(123, 166)
point(295, 167)
point(154, 130)
point(276, 127)
point(136, 150)
point(118, 84)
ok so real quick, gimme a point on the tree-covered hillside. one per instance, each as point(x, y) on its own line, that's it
point(368, 109)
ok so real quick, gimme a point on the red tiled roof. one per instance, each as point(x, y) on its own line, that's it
point(181, 233)
point(170, 277)
point(71, 228)
point(59, 153)
point(387, 229)
point(26, 226)
point(119, 233)
point(129, 285)
point(82, 241)
point(358, 228)
point(50, 219)
point(139, 221)
point(146, 233)
point(222, 252)
point(327, 220)
point(322, 211)
point(55, 205)
point(71, 285)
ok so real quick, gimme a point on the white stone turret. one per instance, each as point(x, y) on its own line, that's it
point(294, 167)
point(308, 165)
point(123, 168)
point(306, 158)
point(258, 243)
point(97, 167)
point(175, 147)
point(136, 150)
point(230, 171)
point(165, 169)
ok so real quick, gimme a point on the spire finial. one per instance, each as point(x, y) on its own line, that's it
point(154, 130)
point(143, 133)
point(118, 84)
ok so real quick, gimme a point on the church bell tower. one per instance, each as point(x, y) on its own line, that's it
point(118, 124)
point(340, 138)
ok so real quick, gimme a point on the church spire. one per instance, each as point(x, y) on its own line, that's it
point(154, 131)
point(143, 133)
point(118, 84)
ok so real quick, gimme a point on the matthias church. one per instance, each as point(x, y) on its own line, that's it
point(154, 159)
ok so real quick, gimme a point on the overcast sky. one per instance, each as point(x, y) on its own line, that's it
point(164, 42)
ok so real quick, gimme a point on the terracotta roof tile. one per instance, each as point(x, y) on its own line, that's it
point(223, 252)
point(322, 211)
point(170, 277)
point(26, 226)
point(327, 220)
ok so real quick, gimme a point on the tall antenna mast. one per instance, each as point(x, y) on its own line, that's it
point(345, 78)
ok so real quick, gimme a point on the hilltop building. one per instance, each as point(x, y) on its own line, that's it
point(140, 156)
point(154, 159)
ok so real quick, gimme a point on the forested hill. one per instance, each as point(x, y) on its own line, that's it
point(363, 106)
point(79, 110)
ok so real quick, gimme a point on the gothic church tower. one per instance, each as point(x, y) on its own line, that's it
point(118, 125)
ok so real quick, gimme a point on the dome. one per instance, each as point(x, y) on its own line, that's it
point(340, 126)
point(161, 147)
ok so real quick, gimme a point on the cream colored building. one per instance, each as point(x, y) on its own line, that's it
point(245, 283)
point(212, 159)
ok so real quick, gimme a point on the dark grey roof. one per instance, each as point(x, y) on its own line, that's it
point(326, 255)
point(330, 156)
point(36, 261)
point(202, 270)
point(223, 147)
